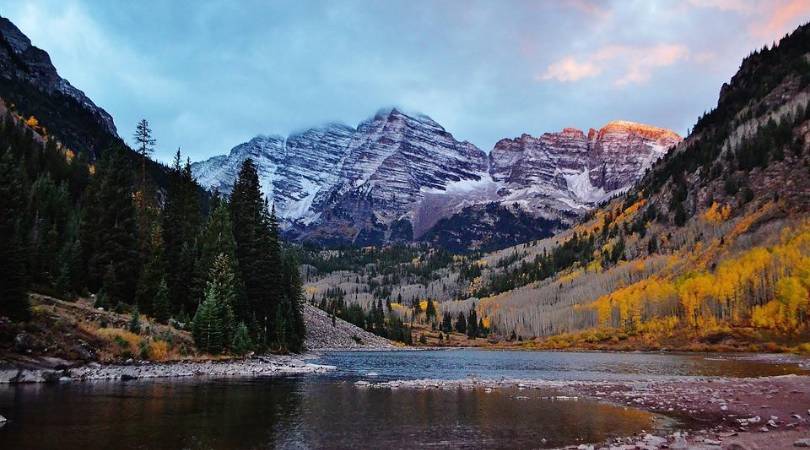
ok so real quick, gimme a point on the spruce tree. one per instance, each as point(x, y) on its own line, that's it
point(472, 324)
point(255, 232)
point(181, 223)
point(144, 145)
point(293, 295)
point(217, 238)
point(430, 309)
point(461, 323)
point(14, 302)
point(214, 321)
point(109, 230)
point(152, 274)
point(241, 343)
point(161, 309)
point(135, 321)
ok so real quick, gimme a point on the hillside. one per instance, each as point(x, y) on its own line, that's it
point(74, 332)
point(710, 249)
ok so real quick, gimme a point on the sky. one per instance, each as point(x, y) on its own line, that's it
point(209, 75)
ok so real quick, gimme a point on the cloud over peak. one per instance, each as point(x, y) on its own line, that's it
point(624, 64)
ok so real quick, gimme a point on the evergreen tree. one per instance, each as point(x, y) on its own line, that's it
point(430, 310)
point(294, 317)
point(206, 325)
point(152, 275)
point(144, 145)
point(461, 323)
point(255, 232)
point(472, 324)
point(135, 321)
point(109, 232)
point(241, 343)
point(217, 238)
point(181, 223)
point(214, 321)
point(13, 283)
point(161, 309)
point(447, 322)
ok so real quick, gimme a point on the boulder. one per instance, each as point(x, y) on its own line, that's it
point(24, 343)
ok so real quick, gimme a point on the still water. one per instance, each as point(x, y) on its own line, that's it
point(329, 411)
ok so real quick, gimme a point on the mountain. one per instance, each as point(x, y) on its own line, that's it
point(400, 177)
point(30, 86)
point(710, 250)
point(31, 83)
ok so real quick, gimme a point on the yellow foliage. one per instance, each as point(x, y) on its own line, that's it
point(630, 302)
point(717, 213)
point(32, 122)
point(158, 350)
point(570, 276)
point(115, 335)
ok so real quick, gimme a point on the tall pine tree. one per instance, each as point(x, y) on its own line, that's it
point(13, 286)
point(109, 230)
point(182, 215)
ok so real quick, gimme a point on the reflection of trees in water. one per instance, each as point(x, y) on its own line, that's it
point(311, 412)
point(340, 415)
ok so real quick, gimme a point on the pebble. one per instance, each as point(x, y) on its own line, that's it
point(802, 443)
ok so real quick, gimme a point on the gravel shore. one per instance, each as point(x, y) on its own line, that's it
point(274, 365)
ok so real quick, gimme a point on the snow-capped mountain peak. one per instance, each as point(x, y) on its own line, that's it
point(396, 175)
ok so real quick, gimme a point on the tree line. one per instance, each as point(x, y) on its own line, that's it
point(73, 227)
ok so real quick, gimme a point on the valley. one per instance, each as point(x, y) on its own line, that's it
point(391, 284)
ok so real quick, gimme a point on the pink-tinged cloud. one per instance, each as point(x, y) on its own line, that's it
point(781, 18)
point(568, 69)
point(741, 6)
point(590, 7)
point(629, 64)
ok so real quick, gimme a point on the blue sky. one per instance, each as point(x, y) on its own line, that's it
point(211, 74)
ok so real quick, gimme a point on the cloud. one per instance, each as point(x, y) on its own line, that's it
point(568, 69)
point(628, 64)
point(766, 19)
point(741, 6)
point(590, 7)
point(780, 18)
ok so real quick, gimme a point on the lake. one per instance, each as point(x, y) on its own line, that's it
point(330, 411)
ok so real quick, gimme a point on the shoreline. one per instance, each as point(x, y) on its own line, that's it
point(713, 412)
point(257, 366)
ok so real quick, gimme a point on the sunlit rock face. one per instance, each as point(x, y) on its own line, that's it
point(398, 176)
point(570, 171)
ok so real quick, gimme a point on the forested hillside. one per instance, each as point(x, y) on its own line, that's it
point(71, 227)
point(712, 247)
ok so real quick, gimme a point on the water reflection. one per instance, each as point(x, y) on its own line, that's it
point(309, 412)
point(332, 412)
point(455, 364)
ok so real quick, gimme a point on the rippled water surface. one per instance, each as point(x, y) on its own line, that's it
point(330, 411)
point(463, 363)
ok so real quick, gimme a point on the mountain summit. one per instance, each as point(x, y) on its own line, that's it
point(29, 80)
point(400, 177)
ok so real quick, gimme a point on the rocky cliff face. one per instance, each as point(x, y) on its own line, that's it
point(396, 177)
point(570, 171)
point(32, 84)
